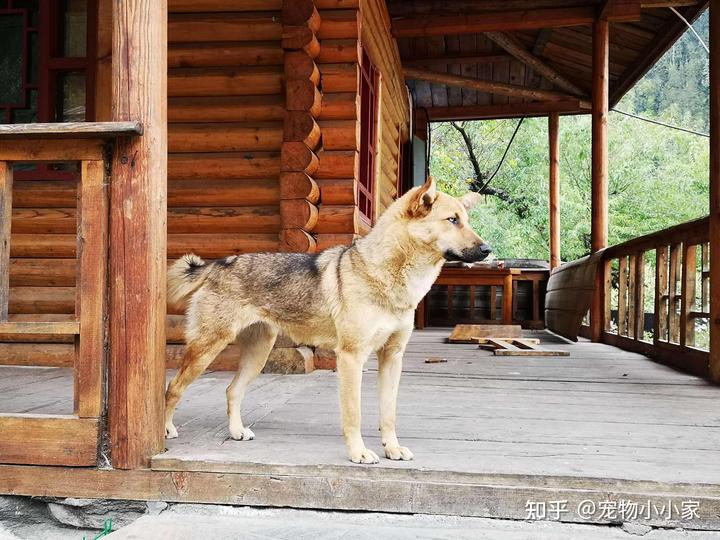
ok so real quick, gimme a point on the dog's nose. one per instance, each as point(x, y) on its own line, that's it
point(485, 249)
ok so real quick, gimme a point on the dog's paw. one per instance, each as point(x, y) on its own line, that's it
point(364, 456)
point(398, 453)
point(242, 434)
point(170, 431)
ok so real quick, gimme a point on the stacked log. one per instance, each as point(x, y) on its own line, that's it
point(339, 61)
point(299, 193)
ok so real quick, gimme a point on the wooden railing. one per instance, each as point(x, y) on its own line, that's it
point(657, 294)
point(69, 439)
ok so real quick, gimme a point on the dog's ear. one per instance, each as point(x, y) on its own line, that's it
point(470, 200)
point(422, 200)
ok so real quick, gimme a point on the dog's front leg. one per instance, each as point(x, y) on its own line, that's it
point(389, 369)
point(349, 370)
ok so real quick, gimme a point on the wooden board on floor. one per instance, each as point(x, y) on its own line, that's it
point(517, 347)
point(467, 333)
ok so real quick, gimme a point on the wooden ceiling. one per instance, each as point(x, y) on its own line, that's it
point(544, 46)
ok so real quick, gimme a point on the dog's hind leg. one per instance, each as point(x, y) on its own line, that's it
point(389, 368)
point(256, 342)
point(199, 354)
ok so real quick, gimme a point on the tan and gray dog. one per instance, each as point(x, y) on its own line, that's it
point(354, 300)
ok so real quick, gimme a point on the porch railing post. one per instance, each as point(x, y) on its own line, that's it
point(554, 185)
point(715, 190)
point(599, 227)
point(138, 234)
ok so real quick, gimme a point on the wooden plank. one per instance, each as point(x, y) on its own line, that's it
point(59, 328)
point(492, 87)
point(513, 46)
point(714, 262)
point(439, 25)
point(661, 291)
point(554, 188)
point(674, 295)
point(6, 186)
point(51, 150)
point(639, 324)
point(91, 290)
point(48, 440)
point(507, 299)
point(138, 233)
point(599, 180)
point(469, 333)
point(623, 297)
point(632, 285)
point(688, 288)
point(70, 130)
point(695, 231)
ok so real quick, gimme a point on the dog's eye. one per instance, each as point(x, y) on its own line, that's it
point(454, 220)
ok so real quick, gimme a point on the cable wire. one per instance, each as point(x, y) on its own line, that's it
point(690, 26)
point(502, 159)
point(657, 122)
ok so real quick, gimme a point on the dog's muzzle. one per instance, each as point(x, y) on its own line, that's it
point(476, 253)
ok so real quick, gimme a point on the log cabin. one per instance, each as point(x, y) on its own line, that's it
point(134, 132)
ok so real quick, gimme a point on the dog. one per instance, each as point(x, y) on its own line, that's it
point(352, 299)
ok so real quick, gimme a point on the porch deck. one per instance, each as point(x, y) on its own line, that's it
point(601, 421)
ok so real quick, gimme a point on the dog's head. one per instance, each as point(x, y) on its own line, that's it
point(441, 221)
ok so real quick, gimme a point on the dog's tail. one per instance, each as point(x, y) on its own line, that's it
point(185, 276)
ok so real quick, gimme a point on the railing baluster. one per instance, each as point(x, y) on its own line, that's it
point(632, 294)
point(6, 182)
point(689, 269)
point(622, 297)
point(639, 324)
point(673, 315)
point(661, 292)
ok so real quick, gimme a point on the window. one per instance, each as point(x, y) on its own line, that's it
point(46, 60)
point(47, 51)
point(369, 84)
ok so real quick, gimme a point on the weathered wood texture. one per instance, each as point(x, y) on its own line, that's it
point(138, 224)
point(498, 431)
point(70, 130)
point(570, 291)
point(714, 261)
point(301, 133)
point(599, 180)
point(681, 257)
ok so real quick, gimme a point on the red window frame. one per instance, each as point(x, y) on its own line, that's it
point(369, 94)
point(51, 64)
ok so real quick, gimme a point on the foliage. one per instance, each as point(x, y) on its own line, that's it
point(658, 176)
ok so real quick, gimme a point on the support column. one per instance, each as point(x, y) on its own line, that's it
point(715, 190)
point(554, 188)
point(138, 234)
point(599, 228)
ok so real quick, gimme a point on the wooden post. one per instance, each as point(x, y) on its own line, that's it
point(138, 234)
point(715, 190)
point(599, 229)
point(6, 183)
point(554, 144)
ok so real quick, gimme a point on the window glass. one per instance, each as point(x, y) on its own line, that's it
point(75, 28)
point(71, 98)
point(11, 59)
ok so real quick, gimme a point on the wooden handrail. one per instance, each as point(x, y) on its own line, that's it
point(692, 231)
point(71, 130)
point(682, 271)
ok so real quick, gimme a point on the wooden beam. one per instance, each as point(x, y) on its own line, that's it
point(554, 147)
point(541, 41)
point(6, 186)
point(70, 130)
point(619, 10)
point(599, 180)
point(715, 190)
point(138, 235)
point(490, 87)
point(33, 439)
point(509, 110)
point(434, 24)
point(456, 58)
point(517, 49)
